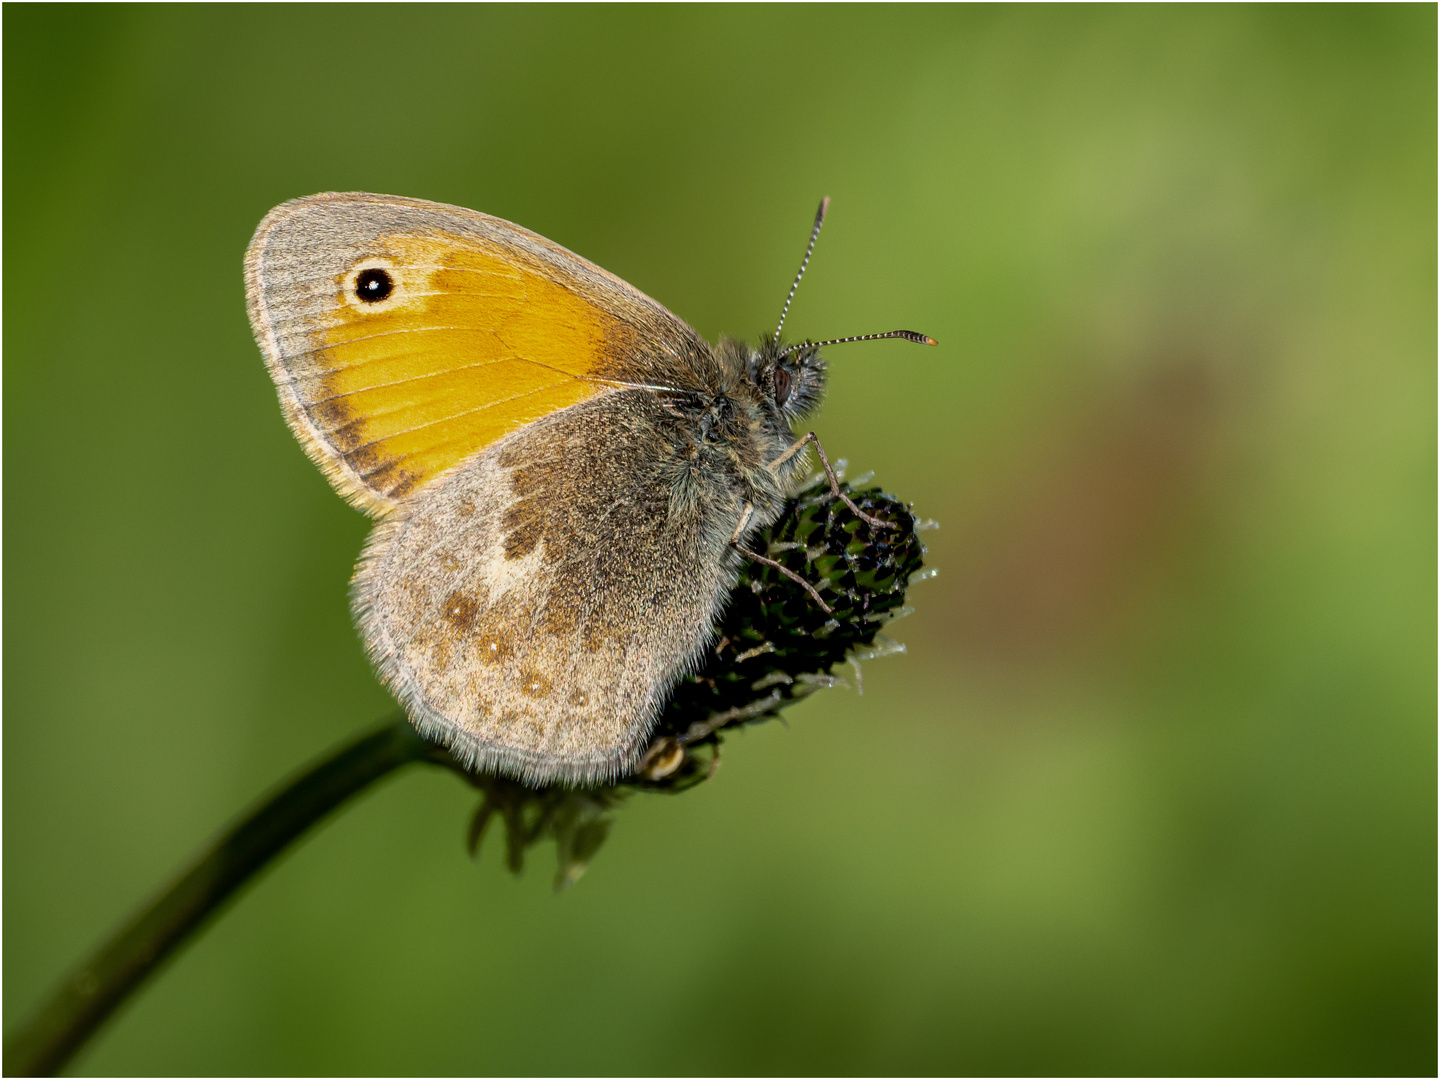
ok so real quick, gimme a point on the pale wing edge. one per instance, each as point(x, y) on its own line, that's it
point(343, 476)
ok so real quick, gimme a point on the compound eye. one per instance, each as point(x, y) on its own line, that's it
point(783, 381)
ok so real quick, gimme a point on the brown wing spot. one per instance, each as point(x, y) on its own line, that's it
point(558, 616)
point(349, 437)
point(381, 475)
point(493, 648)
point(530, 477)
point(494, 632)
point(460, 610)
point(386, 476)
point(336, 415)
point(440, 652)
point(535, 683)
point(525, 520)
point(525, 525)
point(404, 484)
point(364, 459)
point(593, 640)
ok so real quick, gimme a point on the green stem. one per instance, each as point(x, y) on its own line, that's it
point(61, 1027)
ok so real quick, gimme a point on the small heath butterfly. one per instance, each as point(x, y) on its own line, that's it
point(564, 472)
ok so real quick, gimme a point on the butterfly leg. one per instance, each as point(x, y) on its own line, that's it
point(800, 444)
point(745, 515)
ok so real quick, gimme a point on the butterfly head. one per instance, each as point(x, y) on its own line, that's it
point(791, 379)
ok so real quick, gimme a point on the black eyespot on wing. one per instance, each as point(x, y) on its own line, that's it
point(783, 383)
point(374, 285)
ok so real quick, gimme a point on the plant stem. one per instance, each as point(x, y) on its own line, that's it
point(44, 1045)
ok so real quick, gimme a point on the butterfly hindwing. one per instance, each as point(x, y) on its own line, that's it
point(533, 607)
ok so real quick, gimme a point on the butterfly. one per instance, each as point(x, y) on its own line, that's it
point(564, 473)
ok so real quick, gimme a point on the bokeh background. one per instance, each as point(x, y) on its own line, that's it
point(1153, 790)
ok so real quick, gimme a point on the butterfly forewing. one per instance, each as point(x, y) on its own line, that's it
point(405, 336)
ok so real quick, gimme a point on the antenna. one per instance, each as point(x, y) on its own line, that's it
point(908, 335)
point(814, 235)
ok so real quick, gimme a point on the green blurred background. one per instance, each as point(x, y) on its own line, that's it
point(1153, 790)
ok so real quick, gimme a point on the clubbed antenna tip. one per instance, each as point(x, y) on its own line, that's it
point(908, 335)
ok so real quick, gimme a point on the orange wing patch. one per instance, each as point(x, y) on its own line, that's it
point(468, 348)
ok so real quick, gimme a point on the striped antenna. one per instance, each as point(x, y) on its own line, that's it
point(814, 235)
point(908, 335)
